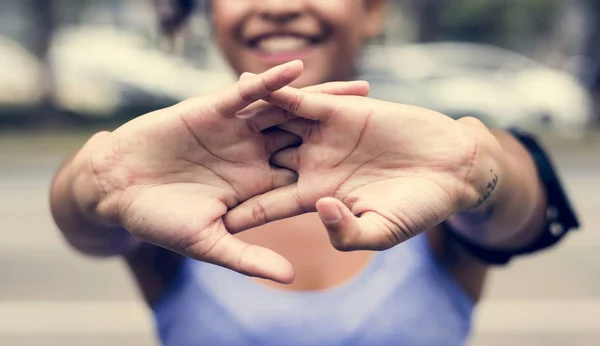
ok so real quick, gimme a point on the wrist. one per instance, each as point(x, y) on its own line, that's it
point(86, 191)
point(543, 204)
point(74, 202)
point(509, 209)
point(485, 182)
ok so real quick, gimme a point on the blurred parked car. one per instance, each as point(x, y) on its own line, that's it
point(499, 87)
point(101, 72)
point(20, 80)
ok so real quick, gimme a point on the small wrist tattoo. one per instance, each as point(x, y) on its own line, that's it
point(491, 186)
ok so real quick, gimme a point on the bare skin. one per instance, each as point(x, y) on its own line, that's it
point(459, 183)
point(336, 30)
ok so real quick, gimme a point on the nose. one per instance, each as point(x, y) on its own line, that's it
point(281, 11)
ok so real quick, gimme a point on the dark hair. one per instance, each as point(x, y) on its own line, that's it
point(173, 14)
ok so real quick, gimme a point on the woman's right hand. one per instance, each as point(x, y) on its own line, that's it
point(168, 177)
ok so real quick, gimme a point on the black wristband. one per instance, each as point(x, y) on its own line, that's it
point(560, 216)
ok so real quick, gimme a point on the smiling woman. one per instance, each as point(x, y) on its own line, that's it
point(253, 36)
point(326, 35)
point(303, 193)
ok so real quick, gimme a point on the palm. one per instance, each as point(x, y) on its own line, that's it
point(192, 181)
point(391, 164)
point(169, 177)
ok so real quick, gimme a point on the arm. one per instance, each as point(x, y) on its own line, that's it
point(395, 171)
point(560, 217)
point(76, 191)
point(510, 217)
point(168, 178)
point(511, 213)
point(153, 267)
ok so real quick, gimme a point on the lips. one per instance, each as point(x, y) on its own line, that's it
point(283, 42)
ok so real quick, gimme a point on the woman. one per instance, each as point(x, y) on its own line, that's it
point(445, 198)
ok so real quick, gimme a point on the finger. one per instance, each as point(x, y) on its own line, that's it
point(232, 253)
point(288, 158)
point(261, 114)
point(246, 75)
point(276, 139)
point(236, 97)
point(313, 106)
point(358, 88)
point(281, 177)
point(347, 232)
point(303, 128)
point(266, 116)
point(274, 205)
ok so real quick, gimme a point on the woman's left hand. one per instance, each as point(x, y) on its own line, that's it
point(378, 173)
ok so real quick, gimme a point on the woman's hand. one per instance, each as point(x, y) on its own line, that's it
point(168, 177)
point(400, 169)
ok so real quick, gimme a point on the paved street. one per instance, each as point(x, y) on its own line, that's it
point(51, 296)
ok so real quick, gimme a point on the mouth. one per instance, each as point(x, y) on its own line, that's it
point(277, 43)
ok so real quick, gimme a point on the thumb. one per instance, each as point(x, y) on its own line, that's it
point(370, 231)
point(252, 260)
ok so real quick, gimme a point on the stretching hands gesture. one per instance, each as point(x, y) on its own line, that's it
point(189, 176)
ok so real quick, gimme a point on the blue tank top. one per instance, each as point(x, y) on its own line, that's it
point(402, 297)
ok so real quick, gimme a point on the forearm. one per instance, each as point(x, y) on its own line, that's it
point(512, 211)
point(78, 227)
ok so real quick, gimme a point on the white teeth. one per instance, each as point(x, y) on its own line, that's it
point(282, 44)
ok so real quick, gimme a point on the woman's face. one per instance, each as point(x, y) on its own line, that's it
point(327, 35)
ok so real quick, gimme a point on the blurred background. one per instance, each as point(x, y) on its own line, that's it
point(69, 68)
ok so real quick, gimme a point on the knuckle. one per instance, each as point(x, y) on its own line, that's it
point(244, 93)
point(266, 85)
point(298, 199)
point(259, 213)
point(295, 102)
